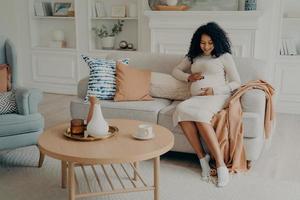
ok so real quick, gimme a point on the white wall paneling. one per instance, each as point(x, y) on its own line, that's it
point(287, 85)
point(169, 29)
point(288, 66)
point(55, 70)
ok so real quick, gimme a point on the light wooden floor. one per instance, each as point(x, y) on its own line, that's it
point(56, 108)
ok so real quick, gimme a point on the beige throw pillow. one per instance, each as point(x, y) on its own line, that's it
point(5, 78)
point(132, 84)
point(166, 86)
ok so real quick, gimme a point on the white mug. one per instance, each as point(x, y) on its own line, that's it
point(144, 131)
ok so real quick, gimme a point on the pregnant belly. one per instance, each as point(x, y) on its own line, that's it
point(208, 81)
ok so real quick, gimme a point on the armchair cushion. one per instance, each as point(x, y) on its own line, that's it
point(7, 103)
point(14, 124)
point(28, 100)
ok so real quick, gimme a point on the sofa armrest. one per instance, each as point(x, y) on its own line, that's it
point(28, 100)
point(254, 101)
point(82, 87)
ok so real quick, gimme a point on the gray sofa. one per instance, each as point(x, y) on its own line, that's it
point(160, 110)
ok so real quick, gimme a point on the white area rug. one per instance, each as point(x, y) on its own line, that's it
point(180, 179)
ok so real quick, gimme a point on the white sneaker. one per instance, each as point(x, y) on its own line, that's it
point(223, 176)
point(204, 162)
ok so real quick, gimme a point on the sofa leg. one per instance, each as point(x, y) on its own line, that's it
point(41, 160)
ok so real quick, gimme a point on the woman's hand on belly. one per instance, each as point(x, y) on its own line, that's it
point(208, 91)
point(195, 77)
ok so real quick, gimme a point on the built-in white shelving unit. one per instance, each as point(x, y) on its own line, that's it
point(58, 68)
point(105, 16)
point(287, 67)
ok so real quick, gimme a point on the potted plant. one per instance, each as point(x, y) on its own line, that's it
point(106, 36)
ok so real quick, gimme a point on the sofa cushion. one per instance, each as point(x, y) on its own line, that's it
point(8, 102)
point(132, 84)
point(138, 110)
point(251, 121)
point(102, 80)
point(166, 86)
point(14, 124)
point(153, 61)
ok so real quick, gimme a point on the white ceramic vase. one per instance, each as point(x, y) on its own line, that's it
point(58, 35)
point(97, 126)
point(108, 42)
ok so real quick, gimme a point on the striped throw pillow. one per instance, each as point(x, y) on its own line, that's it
point(8, 102)
point(102, 78)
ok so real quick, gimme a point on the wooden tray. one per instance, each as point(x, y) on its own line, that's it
point(112, 132)
point(171, 8)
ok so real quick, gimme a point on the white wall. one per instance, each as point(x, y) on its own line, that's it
point(8, 19)
point(269, 27)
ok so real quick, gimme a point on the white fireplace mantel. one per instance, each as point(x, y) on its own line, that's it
point(171, 31)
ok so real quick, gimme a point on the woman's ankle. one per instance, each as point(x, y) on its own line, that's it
point(220, 163)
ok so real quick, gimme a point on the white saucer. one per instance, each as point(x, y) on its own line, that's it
point(143, 138)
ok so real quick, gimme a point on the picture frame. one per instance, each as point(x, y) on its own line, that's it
point(118, 11)
point(61, 8)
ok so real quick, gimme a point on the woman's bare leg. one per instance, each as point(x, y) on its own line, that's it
point(190, 130)
point(209, 136)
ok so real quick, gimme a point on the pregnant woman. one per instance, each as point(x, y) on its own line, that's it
point(210, 68)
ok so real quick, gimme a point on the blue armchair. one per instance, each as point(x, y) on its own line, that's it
point(22, 128)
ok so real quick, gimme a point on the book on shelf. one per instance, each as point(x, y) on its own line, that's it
point(100, 11)
point(42, 8)
point(47, 8)
point(38, 9)
point(93, 10)
point(287, 47)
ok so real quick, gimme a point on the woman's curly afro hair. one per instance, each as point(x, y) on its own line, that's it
point(217, 34)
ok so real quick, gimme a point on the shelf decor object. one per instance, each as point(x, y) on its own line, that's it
point(61, 8)
point(171, 2)
point(171, 8)
point(250, 4)
point(132, 10)
point(118, 11)
point(58, 39)
point(107, 38)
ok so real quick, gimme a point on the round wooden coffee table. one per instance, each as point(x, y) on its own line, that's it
point(121, 149)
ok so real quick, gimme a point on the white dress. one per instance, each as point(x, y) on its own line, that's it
point(219, 73)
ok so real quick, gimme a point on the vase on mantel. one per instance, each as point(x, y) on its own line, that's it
point(250, 4)
point(96, 124)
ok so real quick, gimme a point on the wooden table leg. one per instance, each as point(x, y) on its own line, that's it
point(156, 168)
point(71, 181)
point(64, 174)
point(136, 165)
